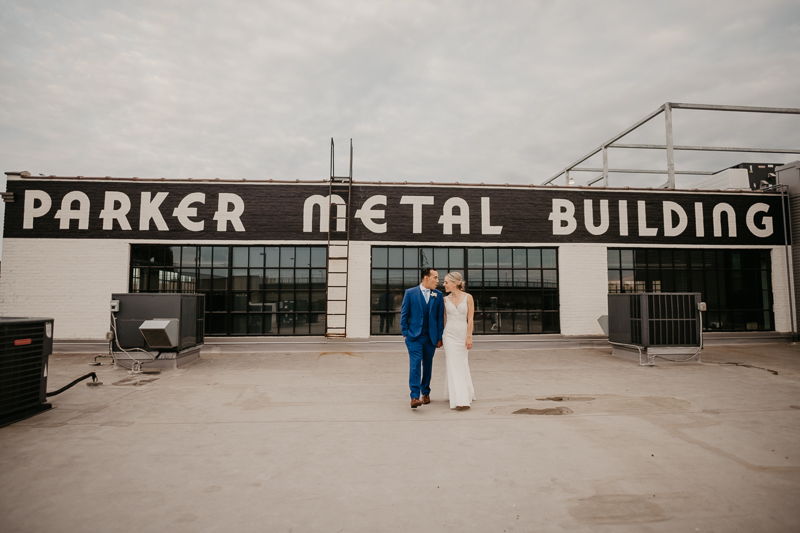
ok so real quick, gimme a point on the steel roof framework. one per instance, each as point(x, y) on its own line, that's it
point(669, 146)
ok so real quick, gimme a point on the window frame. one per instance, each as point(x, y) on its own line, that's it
point(234, 307)
point(502, 306)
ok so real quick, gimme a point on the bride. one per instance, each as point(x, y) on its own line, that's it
point(457, 339)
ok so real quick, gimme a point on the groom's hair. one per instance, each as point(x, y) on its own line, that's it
point(426, 272)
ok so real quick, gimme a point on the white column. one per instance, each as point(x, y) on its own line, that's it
point(781, 298)
point(582, 287)
point(359, 284)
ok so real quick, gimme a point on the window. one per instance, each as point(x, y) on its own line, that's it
point(515, 289)
point(735, 284)
point(249, 290)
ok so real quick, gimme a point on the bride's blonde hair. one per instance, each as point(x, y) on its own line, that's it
point(456, 278)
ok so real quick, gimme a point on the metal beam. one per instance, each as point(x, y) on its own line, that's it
point(615, 138)
point(669, 147)
point(592, 182)
point(642, 171)
point(708, 148)
point(670, 151)
point(739, 108)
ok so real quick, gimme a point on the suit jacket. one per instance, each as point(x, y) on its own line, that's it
point(412, 314)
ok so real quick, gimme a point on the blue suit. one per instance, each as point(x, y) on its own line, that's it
point(422, 325)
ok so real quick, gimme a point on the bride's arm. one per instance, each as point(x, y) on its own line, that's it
point(470, 316)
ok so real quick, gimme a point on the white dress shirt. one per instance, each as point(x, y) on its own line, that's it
point(426, 293)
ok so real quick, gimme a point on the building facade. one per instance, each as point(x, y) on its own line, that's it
point(291, 259)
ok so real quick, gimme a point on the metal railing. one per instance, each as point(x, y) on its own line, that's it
point(669, 146)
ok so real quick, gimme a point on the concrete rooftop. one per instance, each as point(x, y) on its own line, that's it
point(321, 438)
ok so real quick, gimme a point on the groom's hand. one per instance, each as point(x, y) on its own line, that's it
point(439, 344)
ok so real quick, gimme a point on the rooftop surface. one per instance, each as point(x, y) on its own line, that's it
point(317, 440)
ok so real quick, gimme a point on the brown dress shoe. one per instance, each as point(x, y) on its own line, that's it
point(415, 402)
point(426, 399)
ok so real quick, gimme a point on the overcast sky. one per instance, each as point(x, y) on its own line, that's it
point(494, 92)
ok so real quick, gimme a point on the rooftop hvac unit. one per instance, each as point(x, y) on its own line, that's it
point(25, 346)
point(656, 324)
point(160, 333)
point(159, 330)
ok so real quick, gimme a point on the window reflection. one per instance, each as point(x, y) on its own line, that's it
point(507, 284)
point(735, 284)
point(250, 290)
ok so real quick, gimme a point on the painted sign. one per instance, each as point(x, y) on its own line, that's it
point(293, 212)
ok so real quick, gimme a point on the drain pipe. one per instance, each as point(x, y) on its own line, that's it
point(786, 211)
point(787, 232)
point(651, 361)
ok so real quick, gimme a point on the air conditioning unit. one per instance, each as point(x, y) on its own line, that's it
point(157, 330)
point(25, 347)
point(656, 324)
point(161, 334)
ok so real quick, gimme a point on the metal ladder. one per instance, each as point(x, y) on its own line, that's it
point(339, 189)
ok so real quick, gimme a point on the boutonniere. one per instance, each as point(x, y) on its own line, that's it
point(433, 294)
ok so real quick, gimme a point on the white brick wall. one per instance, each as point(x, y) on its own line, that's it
point(70, 280)
point(781, 298)
point(358, 291)
point(583, 287)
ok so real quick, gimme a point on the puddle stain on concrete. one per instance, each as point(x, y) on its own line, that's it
point(618, 509)
point(348, 354)
point(605, 404)
point(566, 399)
point(118, 424)
point(547, 411)
point(130, 381)
point(250, 400)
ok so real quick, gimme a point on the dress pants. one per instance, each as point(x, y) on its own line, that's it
point(420, 358)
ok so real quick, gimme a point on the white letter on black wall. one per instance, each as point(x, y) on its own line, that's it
point(766, 231)
point(623, 217)
point(563, 217)
point(324, 203)
point(66, 213)
point(717, 217)
point(184, 211)
point(588, 217)
point(644, 231)
point(683, 219)
point(223, 216)
point(367, 213)
point(448, 219)
point(486, 223)
point(699, 221)
point(109, 214)
point(31, 211)
point(417, 202)
point(149, 210)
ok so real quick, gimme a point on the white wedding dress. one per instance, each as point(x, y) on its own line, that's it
point(458, 382)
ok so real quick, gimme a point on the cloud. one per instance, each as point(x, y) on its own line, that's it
point(442, 91)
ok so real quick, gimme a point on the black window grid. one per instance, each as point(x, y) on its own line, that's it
point(515, 289)
point(250, 290)
point(735, 284)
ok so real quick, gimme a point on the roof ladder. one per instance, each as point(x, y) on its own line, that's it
point(339, 189)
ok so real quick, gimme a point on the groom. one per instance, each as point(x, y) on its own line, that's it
point(422, 323)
